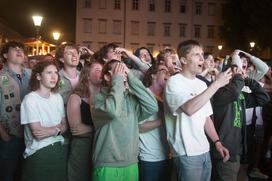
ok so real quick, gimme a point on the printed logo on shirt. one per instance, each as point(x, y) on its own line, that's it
point(5, 80)
point(61, 84)
point(237, 105)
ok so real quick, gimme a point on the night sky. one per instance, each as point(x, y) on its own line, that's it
point(58, 15)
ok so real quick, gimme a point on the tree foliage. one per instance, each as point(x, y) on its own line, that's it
point(245, 21)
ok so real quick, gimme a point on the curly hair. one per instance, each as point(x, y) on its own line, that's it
point(60, 52)
point(11, 44)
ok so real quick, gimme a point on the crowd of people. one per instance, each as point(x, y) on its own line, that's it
point(114, 115)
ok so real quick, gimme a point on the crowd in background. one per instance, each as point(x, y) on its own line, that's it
point(115, 115)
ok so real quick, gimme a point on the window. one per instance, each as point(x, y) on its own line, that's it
point(210, 31)
point(211, 9)
point(87, 3)
point(88, 44)
point(102, 26)
point(117, 26)
point(102, 4)
point(197, 32)
point(151, 27)
point(135, 4)
point(151, 5)
point(87, 25)
point(135, 27)
point(101, 44)
point(182, 30)
point(117, 4)
point(167, 6)
point(198, 8)
point(167, 29)
point(182, 6)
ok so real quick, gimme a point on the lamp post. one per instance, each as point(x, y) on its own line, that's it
point(37, 23)
point(56, 36)
point(220, 47)
point(252, 45)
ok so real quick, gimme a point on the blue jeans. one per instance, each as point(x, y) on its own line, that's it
point(154, 171)
point(194, 168)
point(10, 158)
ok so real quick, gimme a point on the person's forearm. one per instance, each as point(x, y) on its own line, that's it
point(142, 66)
point(149, 125)
point(194, 104)
point(259, 64)
point(204, 72)
point(144, 96)
point(210, 130)
point(40, 132)
point(80, 129)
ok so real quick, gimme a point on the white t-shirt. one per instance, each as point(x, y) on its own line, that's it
point(153, 145)
point(185, 133)
point(47, 111)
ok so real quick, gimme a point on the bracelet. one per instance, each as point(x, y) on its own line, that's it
point(216, 141)
point(58, 131)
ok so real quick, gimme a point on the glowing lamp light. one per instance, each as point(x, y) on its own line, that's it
point(37, 20)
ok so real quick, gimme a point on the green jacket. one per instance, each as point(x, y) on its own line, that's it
point(116, 115)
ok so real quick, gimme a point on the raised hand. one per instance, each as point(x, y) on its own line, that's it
point(223, 78)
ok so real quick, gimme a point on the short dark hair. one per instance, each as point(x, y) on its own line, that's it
point(138, 50)
point(185, 46)
point(104, 50)
point(34, 83)
point(9, 44)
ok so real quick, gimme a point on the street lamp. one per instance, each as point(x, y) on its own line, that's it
point(56, 36)
point(37, 22)
point(252, 44)
point(220, 47)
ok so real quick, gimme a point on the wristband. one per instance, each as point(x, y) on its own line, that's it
point(216, 141)
point(58, 131)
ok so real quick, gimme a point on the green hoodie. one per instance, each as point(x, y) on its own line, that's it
point(116, 114)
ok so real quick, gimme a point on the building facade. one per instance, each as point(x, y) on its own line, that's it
point(151, 23)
